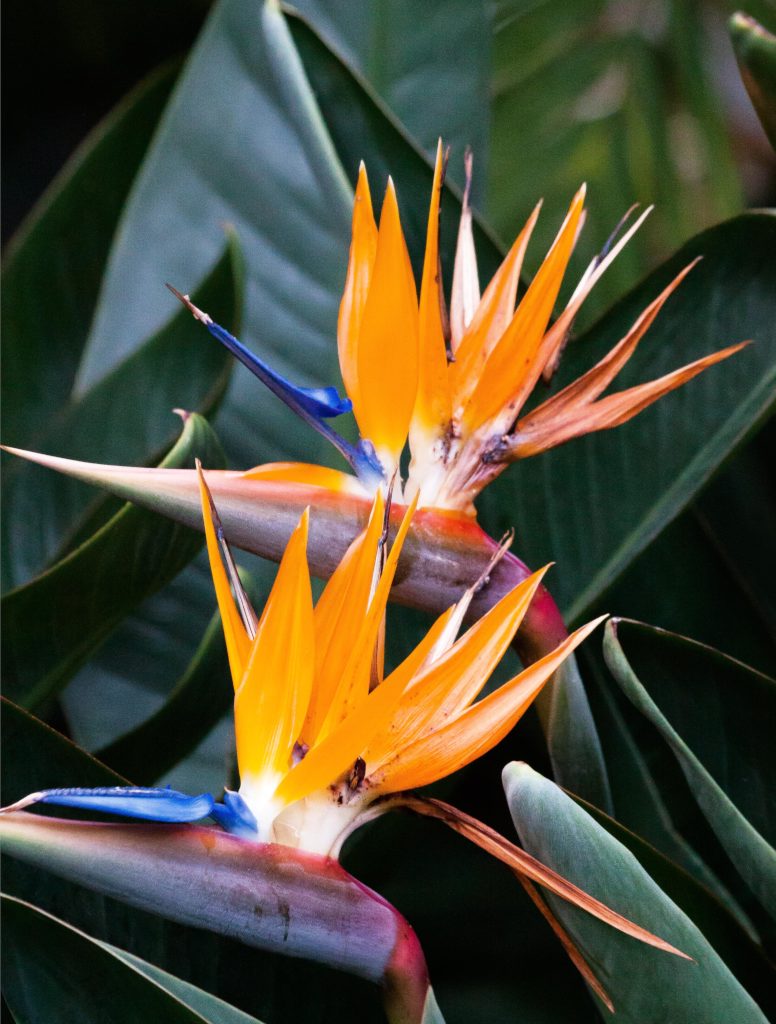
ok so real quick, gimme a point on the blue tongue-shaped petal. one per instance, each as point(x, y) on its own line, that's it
point(324, 399)
point(150, 804)
point(319, 402)
point(234, 816)
point(313, 405)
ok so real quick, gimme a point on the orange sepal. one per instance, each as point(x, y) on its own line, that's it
point(338, 614)
point(531, 437)
point(432, 411)
point(271, 701)
point(355, 718)
point(492, 318)
point(353, 685)
point(511, 370)
point(387, 358)
point(363, 247)
point(591, 384)
point(477, 729)
point(306, 473)
point(449, 685)
point(238, 644)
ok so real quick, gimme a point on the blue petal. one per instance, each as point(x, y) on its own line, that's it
point(151, 804)
point(326, 400)
point(313, 405)
point(366, 463)
point(234, 816)
point(321, 403)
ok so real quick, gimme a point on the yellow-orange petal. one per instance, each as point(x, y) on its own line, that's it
point(338, 612)
point(476, 730)
point(271, 701)
point(431, 416)
point(511, 371)
point(387, 357)
point(491, 319)
point(238, 644)
point(353, 686)
point(450, 684)
point(555, 339)
point(306, 473)
point(363, 247)
point(613, 410)
point(590, 385)
point(333, 755)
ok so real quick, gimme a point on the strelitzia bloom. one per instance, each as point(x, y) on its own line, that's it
point(456, 387)
point(322, 733)
point(326, 739)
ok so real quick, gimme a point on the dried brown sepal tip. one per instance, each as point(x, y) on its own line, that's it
point(531, 868)
point(195, 311)
point(244, 606)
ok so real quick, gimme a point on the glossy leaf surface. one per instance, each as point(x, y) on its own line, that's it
point(644, 984)
point(725, 752)
point(406, 59)
point(56, 621)
point(50, 971)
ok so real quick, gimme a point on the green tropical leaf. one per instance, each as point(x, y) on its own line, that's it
point(408, 60)
point(56, 621)
point(197, 701)
point(362, 128)
point(126, 418)
point(624, 103)
point(644, 984)
point(54, 265)
point(261, 160)
point(194, 705)
point(734, 513)
point(53, 971)
point(431, 1013)
point(734, 943)
point(650, 795)
point(726, 754)
point(35, 756)
point(722, 589)
point(755, 50)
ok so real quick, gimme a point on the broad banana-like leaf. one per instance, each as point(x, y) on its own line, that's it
point(644, 986)
point(54, 971)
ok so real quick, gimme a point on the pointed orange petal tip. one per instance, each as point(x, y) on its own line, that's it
point(304, 522)
point(362, 185)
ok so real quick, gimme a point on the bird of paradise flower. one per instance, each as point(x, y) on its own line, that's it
point(456, 385)
point(326, 740)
